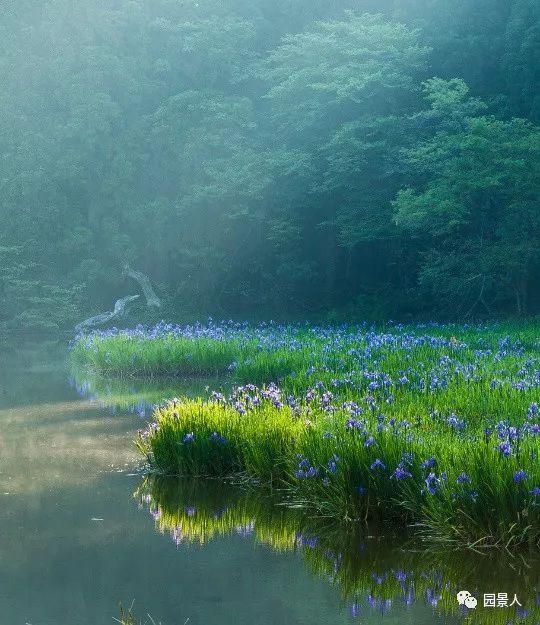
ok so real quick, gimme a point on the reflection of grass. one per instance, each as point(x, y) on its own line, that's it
point(138, 395)
point(197, 515)
point(371, 574)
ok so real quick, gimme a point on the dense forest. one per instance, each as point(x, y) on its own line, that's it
point(290, 158)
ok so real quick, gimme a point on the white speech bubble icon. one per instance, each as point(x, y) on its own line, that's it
point(462, 596)
point(471, 602)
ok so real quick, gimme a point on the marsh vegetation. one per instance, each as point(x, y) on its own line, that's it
point(430, 425)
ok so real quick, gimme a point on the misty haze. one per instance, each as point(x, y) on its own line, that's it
point(269, 312)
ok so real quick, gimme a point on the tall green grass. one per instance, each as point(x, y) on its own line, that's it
point(125, 355)
point(332, 470)
point(264, 354)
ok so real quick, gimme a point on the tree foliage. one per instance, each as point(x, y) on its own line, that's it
point(269, 158)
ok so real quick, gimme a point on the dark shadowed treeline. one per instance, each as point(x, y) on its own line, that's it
point(270, 157)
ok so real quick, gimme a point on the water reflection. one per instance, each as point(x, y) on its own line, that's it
point(60, 444)
point(73, 542)
point(373, 574)
point(139, 395)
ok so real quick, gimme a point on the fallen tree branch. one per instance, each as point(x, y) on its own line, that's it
point(144, 282)
point(119, 309)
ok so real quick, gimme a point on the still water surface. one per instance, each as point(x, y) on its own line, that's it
point(81, 530)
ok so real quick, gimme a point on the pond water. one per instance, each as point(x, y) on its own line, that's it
point(82, 529)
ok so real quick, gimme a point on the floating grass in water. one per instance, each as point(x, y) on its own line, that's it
point(128, 617)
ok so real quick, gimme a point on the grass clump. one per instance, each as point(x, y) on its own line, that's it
point(214, 438)
point(164, 355)
point(468, 483)
point(127, 617)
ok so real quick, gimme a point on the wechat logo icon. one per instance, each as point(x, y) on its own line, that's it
point(465, 598)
